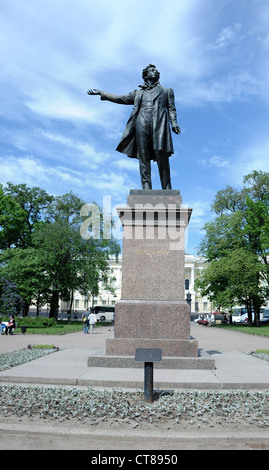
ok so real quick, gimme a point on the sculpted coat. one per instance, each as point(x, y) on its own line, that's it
point(163, 111)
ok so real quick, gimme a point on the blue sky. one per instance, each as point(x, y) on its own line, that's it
point(213, 53)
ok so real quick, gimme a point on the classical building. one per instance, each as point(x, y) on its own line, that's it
point(193, 264)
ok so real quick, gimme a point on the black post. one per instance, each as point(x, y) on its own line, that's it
point(148, 381)
point(148, 356)
point(188, 299)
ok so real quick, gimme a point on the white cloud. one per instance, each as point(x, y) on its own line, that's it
point(213, 54)
point(126, 163)
point(86, 154)
point(216, 161)
point(200, 213)
point(33, 172)
point(113, 41)
point(111, 183)
point(228, 36)
point(251, 157)
point(237, 87)
point(60, 179)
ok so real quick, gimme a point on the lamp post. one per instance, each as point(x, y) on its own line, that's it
point(188, 299)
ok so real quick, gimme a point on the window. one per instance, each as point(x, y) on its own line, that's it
point(76, 303)
point(187, 284)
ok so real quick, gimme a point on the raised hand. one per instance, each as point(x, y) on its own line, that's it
point(94, 92)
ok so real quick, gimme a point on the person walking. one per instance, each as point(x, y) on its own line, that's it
point(85, 321)
point(92, 321)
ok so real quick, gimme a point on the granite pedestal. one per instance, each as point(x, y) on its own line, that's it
point(153, 312)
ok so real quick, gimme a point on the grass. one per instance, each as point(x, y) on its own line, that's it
point(48, 326)
point(262, 330)
point(57, 329)
point(60, 328)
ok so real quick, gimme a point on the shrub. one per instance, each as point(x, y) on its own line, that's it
point(36, 322)
point(10, 300)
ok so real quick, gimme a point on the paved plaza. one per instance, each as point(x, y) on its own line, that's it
point(235, 368)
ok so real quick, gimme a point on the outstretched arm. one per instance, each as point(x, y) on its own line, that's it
point(120, 99)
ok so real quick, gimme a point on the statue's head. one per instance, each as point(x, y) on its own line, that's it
point(150, 69)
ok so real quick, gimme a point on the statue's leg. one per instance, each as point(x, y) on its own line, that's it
point(164, 170)
point(145, 172)
point(143, 141)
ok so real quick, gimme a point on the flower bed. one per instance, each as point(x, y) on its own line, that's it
point(115, 407)
point(20, 356)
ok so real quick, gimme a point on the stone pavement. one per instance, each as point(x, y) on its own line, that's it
point(234, 367)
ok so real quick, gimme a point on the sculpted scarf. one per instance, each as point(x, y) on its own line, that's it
point(148, 87)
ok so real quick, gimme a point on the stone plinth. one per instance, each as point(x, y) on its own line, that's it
point(152, 312)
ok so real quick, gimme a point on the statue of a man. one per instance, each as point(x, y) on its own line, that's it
point(147, 135)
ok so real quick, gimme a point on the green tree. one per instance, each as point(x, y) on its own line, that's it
point(44, 251)
point(24, 267)
point(70, 262)
point(21, 210)
point(32, 203)
point(10, 300)
point(224, 233)
point(257, 226)
point(12, 219)
point(234, 278)
point(239, 228)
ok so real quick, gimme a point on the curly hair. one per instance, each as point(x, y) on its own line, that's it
point(145, 71)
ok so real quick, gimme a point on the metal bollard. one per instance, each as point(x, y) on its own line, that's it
point(148, 356)
point(148, 381)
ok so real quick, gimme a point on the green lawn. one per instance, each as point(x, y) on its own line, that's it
point(57, 329)
point(262, 330)
point(39, 326)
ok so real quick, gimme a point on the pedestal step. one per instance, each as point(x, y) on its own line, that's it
point(170, 348)
point(202, 362)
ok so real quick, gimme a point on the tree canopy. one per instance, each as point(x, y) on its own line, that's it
point(43, 251)
point(236, 246)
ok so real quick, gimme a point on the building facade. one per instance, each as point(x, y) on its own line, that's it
point(193, 265)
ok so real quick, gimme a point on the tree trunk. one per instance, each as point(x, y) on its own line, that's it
point(54, 305)
point(38, 304)
point(25, 309)
point(70, 307)
point(257, 310)
point(249, 310)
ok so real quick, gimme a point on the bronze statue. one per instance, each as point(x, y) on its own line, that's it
point(147, 135)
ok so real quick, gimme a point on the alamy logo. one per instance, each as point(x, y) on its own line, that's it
point(143, 221)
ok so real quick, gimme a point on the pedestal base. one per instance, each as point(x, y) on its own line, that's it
point(203, 361)
point(152, 324)
point(128, 346)
point(153, 312)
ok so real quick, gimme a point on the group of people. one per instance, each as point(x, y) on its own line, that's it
point(89, 321)
point(8, 329)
